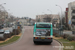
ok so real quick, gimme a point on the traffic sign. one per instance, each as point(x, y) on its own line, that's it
point(69, 22)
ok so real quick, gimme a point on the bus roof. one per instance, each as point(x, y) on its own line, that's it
point(43, 23)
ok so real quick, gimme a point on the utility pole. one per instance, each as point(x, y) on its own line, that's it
point(61, 31)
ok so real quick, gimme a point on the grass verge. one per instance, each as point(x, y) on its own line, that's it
point(68, 45)
point(10, 40)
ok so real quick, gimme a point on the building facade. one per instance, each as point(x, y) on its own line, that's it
point(71, 15)
point(52, 18)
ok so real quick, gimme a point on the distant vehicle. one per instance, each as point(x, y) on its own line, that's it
point(1, 31)
point(1, 26)
point(7, 33)
point(43, 32)
point(10, 25)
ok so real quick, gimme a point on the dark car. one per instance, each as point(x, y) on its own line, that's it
point(2, 35)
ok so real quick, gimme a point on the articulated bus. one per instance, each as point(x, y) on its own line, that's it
point(43, 32)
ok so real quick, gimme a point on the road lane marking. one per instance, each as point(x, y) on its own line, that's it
point(59, 45)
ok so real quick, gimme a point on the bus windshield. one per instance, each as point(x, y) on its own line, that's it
point(42, 25)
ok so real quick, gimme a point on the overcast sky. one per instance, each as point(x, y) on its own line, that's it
point(31, 8)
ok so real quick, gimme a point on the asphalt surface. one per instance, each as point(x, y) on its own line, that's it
point(26, 42)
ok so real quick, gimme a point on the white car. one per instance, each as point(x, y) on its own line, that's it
point(7, 33)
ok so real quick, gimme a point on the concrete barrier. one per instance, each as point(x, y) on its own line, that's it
point(56, 31)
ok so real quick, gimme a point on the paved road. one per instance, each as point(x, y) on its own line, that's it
point(26, 42)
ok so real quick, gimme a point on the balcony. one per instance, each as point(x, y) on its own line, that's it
point(73, 14)
point(73, 20)
point(73, 7)
point(73, 23)
point(73, 17)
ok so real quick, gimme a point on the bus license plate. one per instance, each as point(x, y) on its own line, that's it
point(42, 38)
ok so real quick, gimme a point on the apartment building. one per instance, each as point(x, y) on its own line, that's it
point(52, 18)
point(71, 15)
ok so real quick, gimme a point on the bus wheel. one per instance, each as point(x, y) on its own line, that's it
point(35, 42)
point(49, 42)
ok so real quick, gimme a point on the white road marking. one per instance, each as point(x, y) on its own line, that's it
point(59, 46)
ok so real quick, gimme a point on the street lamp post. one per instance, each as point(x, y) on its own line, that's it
point(60, 19)
point(43, 12)
point(49, 10)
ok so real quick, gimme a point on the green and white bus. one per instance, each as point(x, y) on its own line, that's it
point(43, 32)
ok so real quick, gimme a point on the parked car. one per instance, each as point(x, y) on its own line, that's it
point(1, 26)
point(2, 35)
point(7, 33)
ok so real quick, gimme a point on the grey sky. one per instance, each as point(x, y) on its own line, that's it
point(31, 8)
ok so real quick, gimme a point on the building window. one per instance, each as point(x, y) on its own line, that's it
point(73, 11)
point(37, 16)
point(73, 17)
point(73, 23)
